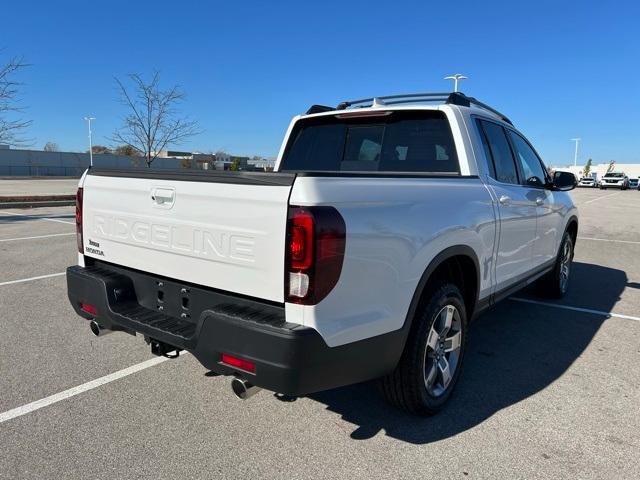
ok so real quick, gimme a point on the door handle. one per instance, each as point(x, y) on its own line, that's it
point(159, 199)
point(539, 201)
point(163, 196)
point(504, 200)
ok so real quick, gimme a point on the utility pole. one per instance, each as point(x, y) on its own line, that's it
point(575, 155)
point(88, 119)
point(455, 78)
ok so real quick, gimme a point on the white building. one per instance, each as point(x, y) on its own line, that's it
point(632, 170)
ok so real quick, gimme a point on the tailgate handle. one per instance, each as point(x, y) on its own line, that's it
point(163, 196)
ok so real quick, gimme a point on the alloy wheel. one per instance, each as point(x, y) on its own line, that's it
point(565, 266)
point(442, 354)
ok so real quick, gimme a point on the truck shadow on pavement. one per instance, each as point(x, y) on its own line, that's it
point(514, 351)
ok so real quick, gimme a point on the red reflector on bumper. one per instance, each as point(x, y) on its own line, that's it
point(88, 308)
point(240, 363)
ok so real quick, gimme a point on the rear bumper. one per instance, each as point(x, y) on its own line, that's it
point(289, 358)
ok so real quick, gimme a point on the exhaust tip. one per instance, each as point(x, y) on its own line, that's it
point(97, 330)
point(243, 389)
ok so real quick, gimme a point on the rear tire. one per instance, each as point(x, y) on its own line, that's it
point(431, 363)
point(556, 283)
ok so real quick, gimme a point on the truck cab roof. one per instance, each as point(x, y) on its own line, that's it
point(410, 101)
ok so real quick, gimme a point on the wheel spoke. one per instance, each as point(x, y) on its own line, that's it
point(432, 339)
point(430, 376)
point(452, 343)
point(445, 373)
point(446, 319)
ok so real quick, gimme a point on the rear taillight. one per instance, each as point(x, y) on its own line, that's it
point(79, 220)
point(315, 250)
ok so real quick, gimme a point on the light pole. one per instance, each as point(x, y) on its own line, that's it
point(455, 78)
point(575, 155)
point(88, 119)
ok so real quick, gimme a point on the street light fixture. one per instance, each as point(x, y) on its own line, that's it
point(455, 78)
point(575, 155)
point(88, 119)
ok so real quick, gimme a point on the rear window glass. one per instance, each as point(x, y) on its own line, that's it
point(398, 142)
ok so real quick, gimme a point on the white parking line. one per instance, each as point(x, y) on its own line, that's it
point(44, 402)
point(607, 240)
point(33, 238)
point(11, 282)
point(600, 198)
point(576, 309)
point(38, 218)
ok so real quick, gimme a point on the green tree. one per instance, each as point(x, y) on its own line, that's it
point(235, 165)
point(587, 168)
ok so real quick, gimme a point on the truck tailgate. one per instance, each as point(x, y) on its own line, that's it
point(224, 230)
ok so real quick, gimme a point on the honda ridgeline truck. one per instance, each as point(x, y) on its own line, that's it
point(388, 224)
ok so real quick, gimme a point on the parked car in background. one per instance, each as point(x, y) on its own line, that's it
point(383, 231)
point(614, 180)
point(633, 183)
point(587, 182)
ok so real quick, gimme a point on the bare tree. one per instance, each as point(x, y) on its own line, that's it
point(11, 128)
point(51, 147)
point(153, 122)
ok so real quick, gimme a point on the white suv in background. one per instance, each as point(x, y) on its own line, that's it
point(614, 180)
point(587, 182)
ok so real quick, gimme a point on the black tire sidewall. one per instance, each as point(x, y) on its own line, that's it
point(556, 277)
point(445, 294)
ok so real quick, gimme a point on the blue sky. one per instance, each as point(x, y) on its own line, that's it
point(556, 68)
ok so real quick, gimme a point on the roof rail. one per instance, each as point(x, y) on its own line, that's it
point(455, 98)
point(319, 109)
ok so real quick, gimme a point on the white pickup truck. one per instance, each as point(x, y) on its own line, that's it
point(387, 226)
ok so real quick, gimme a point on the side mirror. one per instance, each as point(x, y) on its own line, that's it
point(563, 181)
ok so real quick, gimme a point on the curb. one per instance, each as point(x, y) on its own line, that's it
point(52, 203)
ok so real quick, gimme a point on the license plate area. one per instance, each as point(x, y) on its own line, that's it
point(172, 299)
point(187, 301)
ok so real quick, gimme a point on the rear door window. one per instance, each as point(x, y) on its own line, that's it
point(503, 168)
point(411, 141)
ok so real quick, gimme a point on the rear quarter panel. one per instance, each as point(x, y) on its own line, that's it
point(395, 227)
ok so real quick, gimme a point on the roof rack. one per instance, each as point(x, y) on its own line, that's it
point(455, 98)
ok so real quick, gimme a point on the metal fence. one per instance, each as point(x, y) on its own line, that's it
point(39, 163)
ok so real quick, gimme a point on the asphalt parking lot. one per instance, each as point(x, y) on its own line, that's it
point(549, 390)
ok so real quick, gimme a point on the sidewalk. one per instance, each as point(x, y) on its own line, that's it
point(37, 186)
point(37, 192)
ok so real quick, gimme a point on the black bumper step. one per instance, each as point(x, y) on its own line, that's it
point(152, 321)
point(129, 300)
